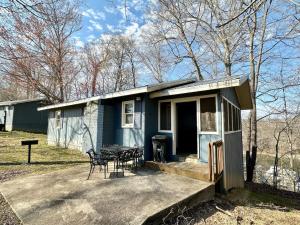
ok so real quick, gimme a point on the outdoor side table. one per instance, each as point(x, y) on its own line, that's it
point(29, 143)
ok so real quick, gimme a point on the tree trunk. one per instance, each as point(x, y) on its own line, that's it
point(250, 163)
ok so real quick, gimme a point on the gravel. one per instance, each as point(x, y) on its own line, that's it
point(7, 215)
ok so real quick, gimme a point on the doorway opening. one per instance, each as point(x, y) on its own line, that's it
point(186, 128)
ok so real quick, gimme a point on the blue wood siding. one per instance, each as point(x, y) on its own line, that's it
point(81, 127)
point(108, 125)
point(70, 133)
point(114, 133)
point(204, 139)
point(24, 117)
point(27, 118)
point(93, 126)
point(230, 94)
point(9, 118)
point(129, 136)
point(233, 150)
point(2, 114)
point(233, 161)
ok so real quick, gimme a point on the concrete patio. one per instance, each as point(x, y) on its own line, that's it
point(66, 197)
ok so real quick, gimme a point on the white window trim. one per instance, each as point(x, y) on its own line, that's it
point(232, 105)
point(216, 116)
point(173, 119)
point(131, 125)
point(160, 130)
point(55, 116)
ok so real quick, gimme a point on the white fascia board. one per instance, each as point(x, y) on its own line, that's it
point(158, 87)
point(61, 105)
point(96, 98)
point(201, 87)
point(15, 102)
point(133, 91)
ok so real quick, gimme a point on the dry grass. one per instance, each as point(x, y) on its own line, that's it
point(44, 158)
point(259, 205)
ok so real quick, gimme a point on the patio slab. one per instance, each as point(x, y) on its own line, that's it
point(66, 197)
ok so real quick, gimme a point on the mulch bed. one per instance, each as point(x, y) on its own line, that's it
point(7, 216)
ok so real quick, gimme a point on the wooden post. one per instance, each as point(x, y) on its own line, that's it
point(29, 143)
point(29, 153)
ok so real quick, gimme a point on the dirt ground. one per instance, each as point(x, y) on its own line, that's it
point(256, 204)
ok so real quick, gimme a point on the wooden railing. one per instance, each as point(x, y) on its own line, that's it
point(215, 160)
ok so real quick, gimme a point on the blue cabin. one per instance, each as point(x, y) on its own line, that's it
point(191, 113)
point(22, 115)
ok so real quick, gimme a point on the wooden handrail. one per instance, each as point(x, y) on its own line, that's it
point(215, 160)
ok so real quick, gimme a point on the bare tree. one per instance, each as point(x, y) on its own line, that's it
point(175, 28)
point(95, 57)
point(39, 51)
point(122, 69)
point(155, 58)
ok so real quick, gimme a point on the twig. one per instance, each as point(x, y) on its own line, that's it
point(224, 211)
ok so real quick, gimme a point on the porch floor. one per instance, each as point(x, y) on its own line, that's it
point(197, 171)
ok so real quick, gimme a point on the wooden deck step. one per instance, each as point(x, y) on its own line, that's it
point(197, 171)
point(192, 158)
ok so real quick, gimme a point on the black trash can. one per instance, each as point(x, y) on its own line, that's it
point(159, 143)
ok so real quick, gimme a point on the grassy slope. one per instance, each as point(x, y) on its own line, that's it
point(44, 158)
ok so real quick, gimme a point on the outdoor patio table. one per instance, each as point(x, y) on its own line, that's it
point(114, 152)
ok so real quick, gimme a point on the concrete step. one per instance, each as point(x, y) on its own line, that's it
point(197, 171)
point(192, 158)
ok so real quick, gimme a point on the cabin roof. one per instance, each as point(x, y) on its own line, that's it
point(241, 85)
point(132, 91)
point(15, 102)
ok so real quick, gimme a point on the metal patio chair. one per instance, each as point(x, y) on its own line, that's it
point(95, 159)
point(138, 154)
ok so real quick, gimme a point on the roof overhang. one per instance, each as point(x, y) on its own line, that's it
point(133, 91)
point(15, 102)
point(240, 84)
point(243, 93)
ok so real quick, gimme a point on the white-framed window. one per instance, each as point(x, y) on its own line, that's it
point(58, 119)
point(164, 116)
point(208, 114)
point(232, 117)
point(128, 114)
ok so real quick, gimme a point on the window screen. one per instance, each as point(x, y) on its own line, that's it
point(230, 117)
point(235, 120)
point(208, 114)
point(225, 104)
point(165, 116)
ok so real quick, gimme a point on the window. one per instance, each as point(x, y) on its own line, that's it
point(165, 116)
point(208, 114)
point(232, 117)
point(127, 114)
point(58, 119)
point(225, 104)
